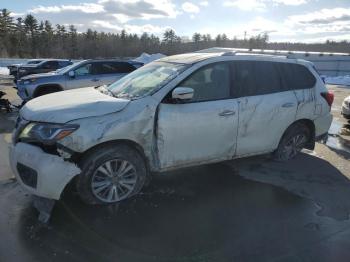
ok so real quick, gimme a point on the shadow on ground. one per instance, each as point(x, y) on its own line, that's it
point(306, 176)
point(208, 213)
point(7, 124)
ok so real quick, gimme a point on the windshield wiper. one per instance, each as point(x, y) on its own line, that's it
point(122, 95)
point(105, 91)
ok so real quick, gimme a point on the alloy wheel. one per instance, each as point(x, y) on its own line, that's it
point(294, 145)
point(114, 180)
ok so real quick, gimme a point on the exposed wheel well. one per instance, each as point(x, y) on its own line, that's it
point(311, 126)
point(132, 144)
point(77, 157)
point(43, 89)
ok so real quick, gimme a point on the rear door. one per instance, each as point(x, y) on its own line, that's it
point(266, 107)
point(48, 67)
point(62, 64)
point(110, 71)
point(204, 128)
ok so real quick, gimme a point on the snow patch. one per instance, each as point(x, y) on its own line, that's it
point(337, 80)
point(4, 71)
point(146, 58)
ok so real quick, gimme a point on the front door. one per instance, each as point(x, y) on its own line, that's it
point(203, 129)
point(84, 76)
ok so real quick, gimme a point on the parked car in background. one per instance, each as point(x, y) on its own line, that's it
point(85, 73)
point(136, 64)
point(13, 68)
point(44, 66)
point(179, 111)
point(345, 110)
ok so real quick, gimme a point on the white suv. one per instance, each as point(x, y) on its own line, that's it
point(178, 111)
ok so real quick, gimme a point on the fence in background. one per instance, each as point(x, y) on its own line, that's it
point(327, 64)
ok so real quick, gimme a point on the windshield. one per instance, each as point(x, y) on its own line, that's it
point(146, 80)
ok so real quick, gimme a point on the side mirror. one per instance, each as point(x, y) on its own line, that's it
point(71, 74)
point(182, 93)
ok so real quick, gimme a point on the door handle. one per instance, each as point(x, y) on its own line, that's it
point(227, 113)
point(288, 105)
point(95, 80)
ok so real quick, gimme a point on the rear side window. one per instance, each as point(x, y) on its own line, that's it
point(296, 76)
point(251, 78)
point(64, 63)
point(124, 67)
point(50, 65)
point(113, 68)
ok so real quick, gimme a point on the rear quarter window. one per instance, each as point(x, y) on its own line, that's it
point(296, 76)
point(64, 63)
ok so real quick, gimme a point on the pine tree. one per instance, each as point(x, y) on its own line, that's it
point(31, 27)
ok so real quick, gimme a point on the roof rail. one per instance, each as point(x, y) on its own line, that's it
point(231, 53)
point(235, 51)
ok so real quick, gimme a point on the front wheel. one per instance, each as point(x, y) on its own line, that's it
point(111, 174)
point(293, 141)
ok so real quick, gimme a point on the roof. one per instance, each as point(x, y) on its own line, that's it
point(268, 52)
point(201, 55)
point(189, 58)
point(53, 59)
point(106, 60)
point(223, 51)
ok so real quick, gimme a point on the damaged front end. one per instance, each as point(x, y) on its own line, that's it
point(37, 161)
point(38, 164)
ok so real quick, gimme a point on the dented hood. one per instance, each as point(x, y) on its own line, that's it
point(66, 106)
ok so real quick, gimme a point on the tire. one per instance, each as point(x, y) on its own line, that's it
point(102, 180)
point(293, 141)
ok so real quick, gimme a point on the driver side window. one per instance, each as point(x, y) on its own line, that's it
point(211, 82)
point(84, 70)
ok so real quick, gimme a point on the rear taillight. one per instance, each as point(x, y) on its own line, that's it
point(329, 97)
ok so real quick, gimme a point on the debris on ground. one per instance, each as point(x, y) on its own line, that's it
point(44, 206)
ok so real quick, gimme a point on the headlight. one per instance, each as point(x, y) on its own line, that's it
point(46, 133)
point(29, 81)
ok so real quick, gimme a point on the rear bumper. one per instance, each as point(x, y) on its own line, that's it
point(40, 173)
point(322, 124)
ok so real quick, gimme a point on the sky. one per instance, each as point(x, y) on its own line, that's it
point(284, 20)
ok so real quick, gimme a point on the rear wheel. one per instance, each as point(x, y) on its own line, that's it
point(293, 141)
point(111, 174)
